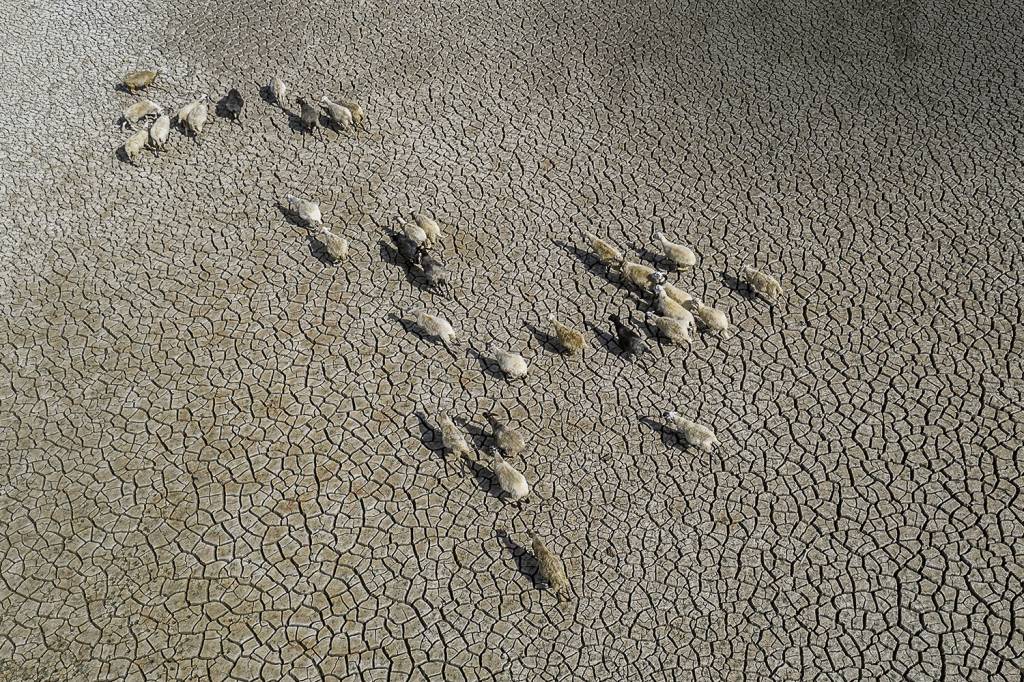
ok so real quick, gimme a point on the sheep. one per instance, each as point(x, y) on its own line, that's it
point(433, 325)
point(308, 116)
point(138, 111)
point(159, 132)
point(569, 339)
point(432, 268)
point(453, 439)
point(336, 247)
point(197, 119)
point(278, 90)
point(695, 434)
point(676, 330)
point(139, 80)
point(763, 284)
point(637, 274)
point(413, 231)
point(183, 113)
point(429, 227)
point(606, 253)
point(233, 105)
point(134, 145)
point(680, 255)
point(196, 116)
point(506, 438)
point(513, 365)
point(667, 305)
point(408, 250)
point(340, 116)
point(711, 318)
point(629, 339)
point(550, 566)
point(660, 278)
point(306, 210)
point(356, 109)
point(509, 478)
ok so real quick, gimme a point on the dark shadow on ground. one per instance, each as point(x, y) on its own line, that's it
point(734, 283)
point(590, 262)
point(669, 438)
point(484, 477)
point(526, 563)
point(488, 365)
point(480, 437)
point(319, 251)
point(547, 341)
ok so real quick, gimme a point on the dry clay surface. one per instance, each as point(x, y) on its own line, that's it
point(217, 458)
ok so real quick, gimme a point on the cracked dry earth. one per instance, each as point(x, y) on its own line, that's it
point(214, 457)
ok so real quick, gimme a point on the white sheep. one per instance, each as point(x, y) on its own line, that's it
point(139, 80)
point(506, 437)
point(134, 145)
point(193, 116)
point(763, 284)
point(429, 226)
point(415, 233)
point(513, 365)
point(340, 116)
point(682, 256)
point(509, 478)
point(160, 132)
point(278, 90)
point(660, 278)
point(336, 247)
point(606, 252)
point(453, 439)
point(695, 434)
point(677, 330)
point(433, 325)
point(306, 210)
point(667, 305)
point(712, 318)
point(358, 113)
point(138, 111)
point(637, 274)
point(550, 566)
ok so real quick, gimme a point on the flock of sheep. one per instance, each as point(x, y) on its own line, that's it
point(678, 313)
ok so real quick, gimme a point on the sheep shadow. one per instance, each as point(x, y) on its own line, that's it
point(480, 437)
point(487, 365)
point(485, 478)
point(547, 341)
point(289, 216)
point(654, 258)
point(737, 285)
point(318, 250)
point(430, 436)
point(589, 261)
point(526, 562)
point(669, 438)
point(122, 156)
